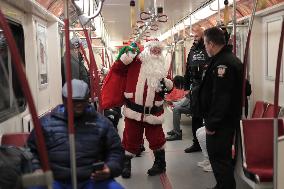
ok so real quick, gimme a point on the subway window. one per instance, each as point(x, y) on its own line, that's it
point(12, 100)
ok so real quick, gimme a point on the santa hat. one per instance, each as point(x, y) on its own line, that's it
point(154, 43)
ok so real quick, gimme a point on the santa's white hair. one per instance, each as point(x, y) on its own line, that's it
point(150, 44)
point(153, 67)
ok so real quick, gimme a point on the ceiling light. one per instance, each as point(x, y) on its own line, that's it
point(200, 14)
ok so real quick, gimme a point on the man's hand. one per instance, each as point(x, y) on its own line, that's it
point(186, 92)
point(209, 132)
point(101, 174)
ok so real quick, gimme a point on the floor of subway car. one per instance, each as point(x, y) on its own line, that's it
point(182, 170)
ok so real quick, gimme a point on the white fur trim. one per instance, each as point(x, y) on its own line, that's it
point(129, 154)
point(151, 119)
point(150, 96)
point(125, 59)
point(154, 44)
point(159, 103)
point(154, 120)
point(168, 83)
point(128, 95)
point(163, 147)
point(139, 91)
point(131, 114)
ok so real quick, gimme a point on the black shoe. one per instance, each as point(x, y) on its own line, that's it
point(193, 148)
point(172, 132)
point(174, 137)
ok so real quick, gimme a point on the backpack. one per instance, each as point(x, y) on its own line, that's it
point(14, 161)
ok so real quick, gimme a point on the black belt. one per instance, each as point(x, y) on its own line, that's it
point(143, 109)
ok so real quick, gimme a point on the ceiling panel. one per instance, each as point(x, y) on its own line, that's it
point(116, 14)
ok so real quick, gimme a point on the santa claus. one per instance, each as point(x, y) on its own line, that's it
point(145, 86)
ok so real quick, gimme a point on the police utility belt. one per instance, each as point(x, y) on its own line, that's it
point(143, 109)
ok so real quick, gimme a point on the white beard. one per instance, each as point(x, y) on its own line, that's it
point(153, 68)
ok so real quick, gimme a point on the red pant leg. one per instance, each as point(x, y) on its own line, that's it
point(155, 136)
point(132, 135)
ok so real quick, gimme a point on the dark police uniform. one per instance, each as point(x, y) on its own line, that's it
point(220, 104)
point(196, 66)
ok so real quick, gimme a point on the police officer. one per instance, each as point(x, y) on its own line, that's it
point(220, 104)
point(196, 66)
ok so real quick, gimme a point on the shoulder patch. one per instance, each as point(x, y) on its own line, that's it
point(221, 70)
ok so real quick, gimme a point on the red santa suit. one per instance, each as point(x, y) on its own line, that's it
point(143, 105)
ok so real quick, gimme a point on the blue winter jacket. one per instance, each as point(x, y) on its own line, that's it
point(95, 139)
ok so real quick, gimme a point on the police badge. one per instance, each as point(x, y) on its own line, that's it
point(221, 70)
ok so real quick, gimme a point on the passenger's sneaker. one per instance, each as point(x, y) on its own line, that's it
point(207, 168)
point(203, 163)
point(193, 148)
point(172, 132)
point(174, 137)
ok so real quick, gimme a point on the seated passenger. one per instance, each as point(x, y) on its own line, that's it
point(178, 92)
point(183, 107)
point(201, 137)
point(176, 98)
point(95, 138)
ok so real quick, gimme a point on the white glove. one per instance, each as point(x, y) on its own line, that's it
point(127, 58)
point(168, 83)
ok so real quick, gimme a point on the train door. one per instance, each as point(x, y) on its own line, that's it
point(12, 101)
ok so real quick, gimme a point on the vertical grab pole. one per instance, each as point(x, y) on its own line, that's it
point(69, 98)
point(103, 58)
point(219, 14)
point(107, 56)
point(234, 27)
point(276, 101)
point(246, 59)
point(93, 70)
point(84, 55)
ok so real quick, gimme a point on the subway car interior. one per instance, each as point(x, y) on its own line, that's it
point(41, 39)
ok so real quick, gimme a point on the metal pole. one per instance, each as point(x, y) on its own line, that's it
point(276, 101)
point(69, 99)
point(246, 58)
point(234, 27)
point(219, 14)
point(190, 25)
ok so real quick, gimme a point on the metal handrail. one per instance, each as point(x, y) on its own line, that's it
point(84, 19)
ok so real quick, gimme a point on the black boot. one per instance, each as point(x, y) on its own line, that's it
point(159, 165)
point(126, 172)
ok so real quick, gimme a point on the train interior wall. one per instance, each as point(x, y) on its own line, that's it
point(47, 95)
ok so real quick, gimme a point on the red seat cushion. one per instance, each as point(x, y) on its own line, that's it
point(265, 174)
point(258, 146)
point(15, 139)
point(259, 109)
point(269, 111)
